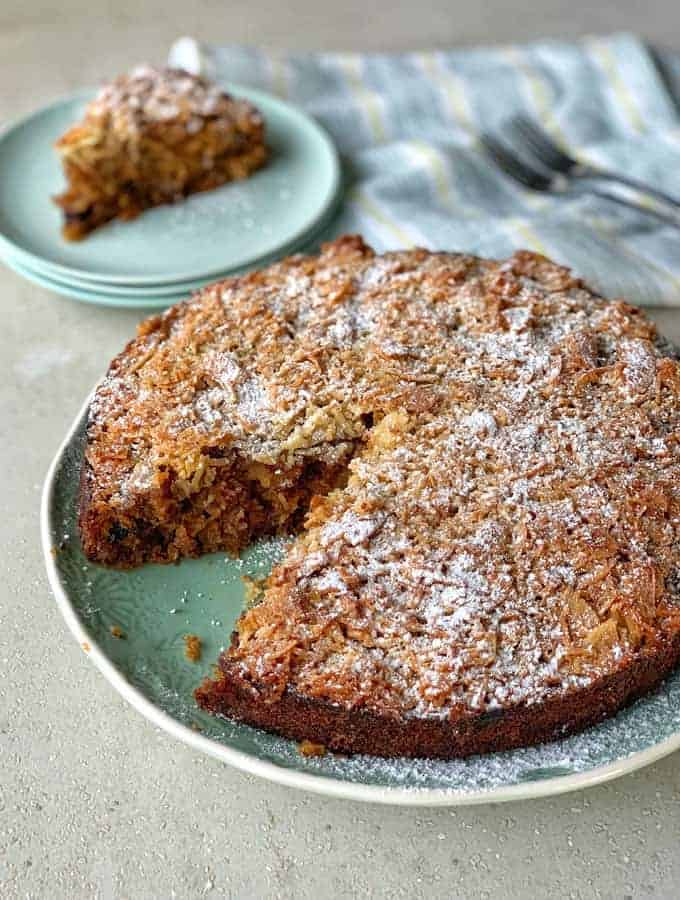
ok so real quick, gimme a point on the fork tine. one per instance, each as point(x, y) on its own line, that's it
point(523, 172)
point(548, 153)
point(543, 147)
point(513, 166)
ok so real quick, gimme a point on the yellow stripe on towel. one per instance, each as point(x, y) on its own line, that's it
point(451, 86)
point(438, 173)
point(539, 95)
point(368, 100)
point(279, 76)
point(607, 65)
point(371, 210)
point(521, 228)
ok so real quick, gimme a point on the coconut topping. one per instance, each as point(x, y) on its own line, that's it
point(510, 523)
point(149, 95)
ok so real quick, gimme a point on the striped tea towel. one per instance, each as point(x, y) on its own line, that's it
point(407, 128)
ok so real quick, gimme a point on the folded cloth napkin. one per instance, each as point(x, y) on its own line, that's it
point(407, 129)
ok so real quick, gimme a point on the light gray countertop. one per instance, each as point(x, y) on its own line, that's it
point(94, 802)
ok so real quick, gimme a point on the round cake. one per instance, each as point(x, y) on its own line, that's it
point(478, 461)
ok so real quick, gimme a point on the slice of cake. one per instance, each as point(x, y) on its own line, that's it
point(486, 459)
point(152, 137)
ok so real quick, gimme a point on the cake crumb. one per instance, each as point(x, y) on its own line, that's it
point(192, 647)
point(309, 748)
point(254, 590)
point(117, 632)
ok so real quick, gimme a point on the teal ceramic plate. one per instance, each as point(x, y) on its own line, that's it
point(63, 285)
point(135, 299)
point(207, 234)
point(130, 296)
point(155, 606)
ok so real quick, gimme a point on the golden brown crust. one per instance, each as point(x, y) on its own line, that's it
point(359, 730)
point(488, 455)
point(153, 137)
point(193, 647)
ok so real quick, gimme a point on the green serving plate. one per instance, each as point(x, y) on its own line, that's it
point(155, 606)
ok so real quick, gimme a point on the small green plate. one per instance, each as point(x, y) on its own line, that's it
point(103, 297)
point(129, 296)
point(138, 293)
point(207, 234)
point(155, 606)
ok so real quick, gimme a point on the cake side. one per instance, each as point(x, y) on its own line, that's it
point(153, 137)
point(363, 730)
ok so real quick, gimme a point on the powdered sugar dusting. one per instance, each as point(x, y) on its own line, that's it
point(509, 529)
point(152, 95)
point(169, 685)
point(464, 552)
point(350, 528)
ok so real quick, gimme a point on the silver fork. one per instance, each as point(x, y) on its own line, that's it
point(526, 174)
point(527, 135)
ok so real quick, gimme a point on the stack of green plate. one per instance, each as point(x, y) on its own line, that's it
point(160, 257)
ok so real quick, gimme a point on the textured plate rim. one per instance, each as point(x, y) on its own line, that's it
point(136, 297)
point(93, 297)
point(151, 295)
point(257, 97)
point(245, 762)
point(124, 291)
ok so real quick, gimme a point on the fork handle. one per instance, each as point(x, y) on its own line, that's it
point(586, 171)
point(667, 219)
